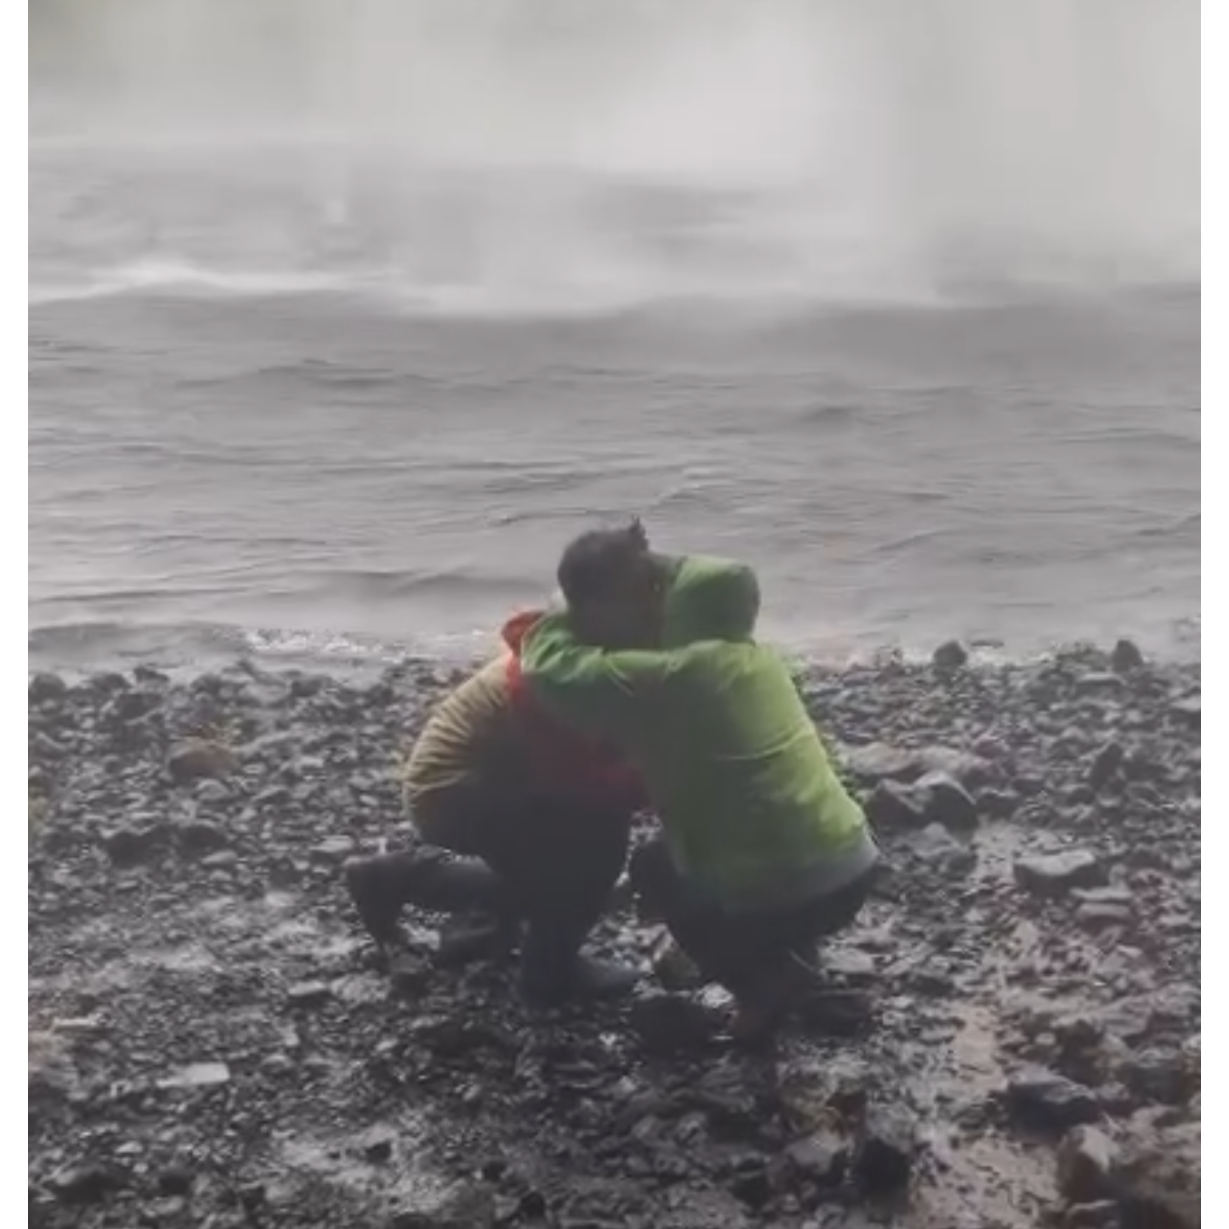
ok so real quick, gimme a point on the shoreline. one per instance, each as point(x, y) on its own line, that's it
point(185, 651)
point(209, 1039)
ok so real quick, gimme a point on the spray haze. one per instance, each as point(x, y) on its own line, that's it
point(552, 152)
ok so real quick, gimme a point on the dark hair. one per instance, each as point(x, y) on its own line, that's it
point(598, 559)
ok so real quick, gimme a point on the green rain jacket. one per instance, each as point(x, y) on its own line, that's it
point(753, 813)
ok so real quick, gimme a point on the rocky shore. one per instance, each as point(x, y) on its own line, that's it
point(1010, 1038)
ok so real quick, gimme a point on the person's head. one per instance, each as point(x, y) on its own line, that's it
point(613, 587)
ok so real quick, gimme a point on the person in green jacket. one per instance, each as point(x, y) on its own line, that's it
point(762, 850)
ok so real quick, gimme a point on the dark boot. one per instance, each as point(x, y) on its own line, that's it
point(381, 886)
point(553, 970)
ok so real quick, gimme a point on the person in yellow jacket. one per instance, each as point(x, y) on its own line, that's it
point(762, 849)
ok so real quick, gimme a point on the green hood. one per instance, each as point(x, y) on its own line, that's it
point(709, 599)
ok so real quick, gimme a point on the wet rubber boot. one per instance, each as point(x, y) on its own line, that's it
point(378, 886)
point(553, 970)
point(383, 885)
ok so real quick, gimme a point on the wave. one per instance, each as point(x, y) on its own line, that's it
point(584, 297)
point(95, 644)
point(182, 278)
point(579, 292)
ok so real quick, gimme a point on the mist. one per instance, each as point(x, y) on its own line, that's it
point(681, 147)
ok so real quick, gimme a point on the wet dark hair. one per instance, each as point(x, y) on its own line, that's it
point(598, 559)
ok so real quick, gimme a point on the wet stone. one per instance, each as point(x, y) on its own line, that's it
point(892, 806)
point(877, 762)
point(851, 966)
point(1106, 764)
point(277, 1065)
point(135, 705)
point(1101, 1214)
point(997, 803)
point(701, 1209)
point(47, 688)
point(333, 849)
point(1110, 894)
point(199, 837)
point(254, 1197)
point(131, 846)
point(212, 793)
point(672, 967)
point(307, 994)
point(1096, 918)
point(1052, 875)
point(1141, 766)
point(197, 1076)
point(1156, 1074)
point(273, 796)
point(1099, 682)
point(86, 1184)
point(822, 1159)
point(1043, 1101)
point(968, 769)
point(1086, 1160)
point(937, 848)
point(950, 655)
point(1126, 657)
point(378, 1145)
point(200, 759)
point(176, 1180)
point(888, 1143)
point(45, 749)
point(750, 1183)
point(945, 801)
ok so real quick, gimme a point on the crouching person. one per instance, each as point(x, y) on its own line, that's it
point(519, 820)
point(762, 850)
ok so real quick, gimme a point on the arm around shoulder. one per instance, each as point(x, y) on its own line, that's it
point(596, 690)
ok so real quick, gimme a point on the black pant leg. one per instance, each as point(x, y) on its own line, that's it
point(561, 862)
point(730, 949)
point(830, 914)
point(739, 950)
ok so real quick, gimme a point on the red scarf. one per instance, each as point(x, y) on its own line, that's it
point(563, 761)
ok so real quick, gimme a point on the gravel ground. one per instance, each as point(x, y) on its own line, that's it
point(1009, 1037)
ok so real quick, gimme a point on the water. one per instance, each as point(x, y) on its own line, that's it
point(342, 321)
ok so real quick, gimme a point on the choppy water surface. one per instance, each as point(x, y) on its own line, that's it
point(331, 349)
